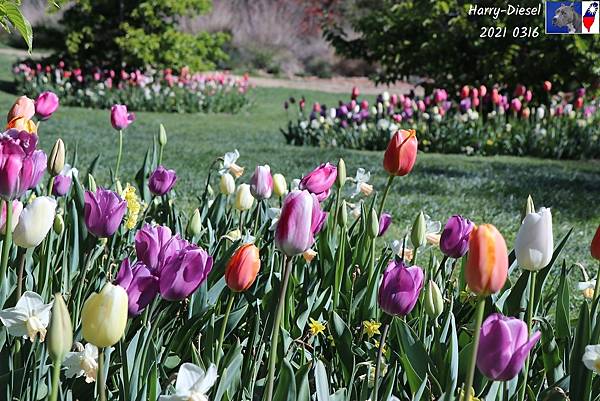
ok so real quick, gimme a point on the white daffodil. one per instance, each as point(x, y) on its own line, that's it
point(361, 180)
point(235, 235)
point(399, 250)
point(192, 383)
point(82, 363)
point(587, 288)
point(355, 209)
point(273, 213)
point(69, 171)
point(229, 164)
point(295, 184)
point(591, 358)
point(28, 318)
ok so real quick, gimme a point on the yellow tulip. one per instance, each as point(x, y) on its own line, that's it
point(104, 316)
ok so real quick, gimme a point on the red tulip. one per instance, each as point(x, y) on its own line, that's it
point(595, 247)
point(401, 153)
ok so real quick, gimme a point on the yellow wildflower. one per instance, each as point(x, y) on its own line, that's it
point(316, 327)
point(134, 206)
point(471, 395)
point(371, 327)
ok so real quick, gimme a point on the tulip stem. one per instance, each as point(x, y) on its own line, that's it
point(21, 253)
point(51, 185)
point(530, 310)
point(55, 381)
point(385, 194)
point(597, 288)
point(476, 334)
point(277, 327)
point(224, 326)
point(119, 155)
point(378, 363)
point(6, 243)
point(101, 385)
point(257, 218)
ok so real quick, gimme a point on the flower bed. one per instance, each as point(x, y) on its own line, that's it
point(150, 90)
point(478, 122)
point(269, 290)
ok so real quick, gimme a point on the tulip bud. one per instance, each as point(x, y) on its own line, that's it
point(227, 184)
point(194, 227)
point(434, 302)
point(279, 185)
point(104, 316)
point(92, 183)
point(60, 331)
point(59, 224)
point(34, 222)
point(535, 243)
point(243, 267)
point(418, 233)
point(341, 174)
point(373, 224)
point(56, 160)
point(343, 214)
point(162, 135)
point(243, 198)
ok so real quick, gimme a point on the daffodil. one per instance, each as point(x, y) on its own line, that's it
point(230, 166)
point(591, 358)
point(371, 327)
point(28, 318)
point(192, 383)
point(316, 327)
point(82, 363)
point(309, 255)
point(361, 181)
point(471, 396)
point(587, 288)
point(134, 206)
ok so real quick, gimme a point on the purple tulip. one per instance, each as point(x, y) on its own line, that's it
point(161, 181)
point(120, 118)
point(261, 183)
point(465, 104)
point(504, 346)
point(400, 288)
point(21, 165)
point(301, 218)
point(183, 273)
point(320, 180)
point(103, 212)
point(454, 241)
point(580, 92)
point(384, 223)
point(141, 285)
point(155, 245)
point(46, 104)
point(62, 184)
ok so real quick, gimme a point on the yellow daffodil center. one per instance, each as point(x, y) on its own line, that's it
point(236, 170)
point(366, 189)
point(35, 326)
point(89, 367)
point(371, 327)
point(316, 327)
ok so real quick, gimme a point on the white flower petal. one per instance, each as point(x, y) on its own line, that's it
point(204, 384)
point(189, 374)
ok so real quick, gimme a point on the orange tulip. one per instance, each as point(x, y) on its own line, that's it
point(595, 247)
point(22, 124)
point(401, 153)
point(487, 262)
point(242, 268)
point(23, 107)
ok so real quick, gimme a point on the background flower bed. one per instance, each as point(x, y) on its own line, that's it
point(151, 90)
point(477, 121)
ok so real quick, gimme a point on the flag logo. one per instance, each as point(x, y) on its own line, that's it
point(579, 17)
point(590, 16)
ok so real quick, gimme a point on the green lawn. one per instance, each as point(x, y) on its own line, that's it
point(491, 189)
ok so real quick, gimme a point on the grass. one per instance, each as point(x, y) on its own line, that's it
point(486, 189)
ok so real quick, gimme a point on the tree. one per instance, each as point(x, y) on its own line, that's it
point(437, 39)
point(139, 33)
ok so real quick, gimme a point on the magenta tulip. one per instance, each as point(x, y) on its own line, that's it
point(504, 346)
point(320, 180)
point(141, 285)
point(261, 183)
point(120, 118)
point(400, 288)
point(46, 104)
point(103, 212)
point(62, 184)
point(21, 165)
point(454, 241)
point(183, 273)
point(515, 105)
point(155, 245)
point(161, 181)
point(301, 218)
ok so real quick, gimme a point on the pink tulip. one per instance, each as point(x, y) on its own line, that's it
point(46, 104)
point(261, 183)
point(320, 180)
point(120, 118)
point(547, 86)
point(23, 107)
point(21, 165)
point(515, 105)
point(528, 96)
point(482, 91)
point(464, 92)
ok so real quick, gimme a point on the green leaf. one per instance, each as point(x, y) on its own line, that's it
point(16, 18)
point(302, 383)
point(321, 382)
point(577, 369)
point(286, 383)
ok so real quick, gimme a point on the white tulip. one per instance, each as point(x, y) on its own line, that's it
point(192, 383)
point(34, 222)
point(535, 243)
point(227, 184)
point(243, 198)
